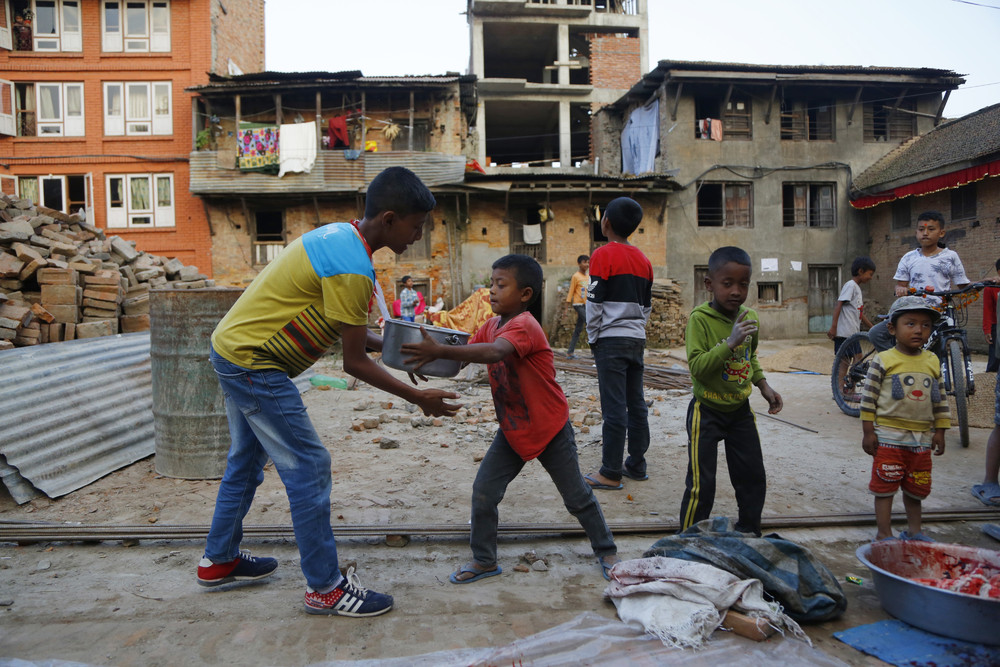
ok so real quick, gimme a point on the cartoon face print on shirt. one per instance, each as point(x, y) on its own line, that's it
point(914, 387)
point(737, 368)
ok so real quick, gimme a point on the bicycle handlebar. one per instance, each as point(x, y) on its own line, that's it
point(950, 293)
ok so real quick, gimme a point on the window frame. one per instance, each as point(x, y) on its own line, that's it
point(63, 123)
point(801, 121)
point(765, 285)
point(128, 213)
point(121, 122)
point(64, 180)
point(725, 196)
point(964, 202)
point(811, 216)
point(888, 128)
point(156, 29)
point(901, 211)
point(264, 252)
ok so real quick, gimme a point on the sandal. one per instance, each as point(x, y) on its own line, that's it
point(471, 568)
point(607, 566)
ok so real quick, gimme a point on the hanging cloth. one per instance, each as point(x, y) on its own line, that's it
point(640, 139)
point(532, 234)
point(298, 147)
point(257, 147)
point(337, 132)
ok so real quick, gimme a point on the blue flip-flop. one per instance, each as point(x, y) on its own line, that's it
point(986, 493)
point(991, 529)
point(595, 484)
point(482, 574)
point(606, 568)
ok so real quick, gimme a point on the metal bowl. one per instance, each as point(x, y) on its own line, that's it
point(398, 332)
point(894, 563)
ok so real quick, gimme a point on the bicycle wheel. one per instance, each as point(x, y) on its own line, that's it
point(850, 365)
point(960, 387)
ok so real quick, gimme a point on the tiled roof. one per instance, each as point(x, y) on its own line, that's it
point(969, 139)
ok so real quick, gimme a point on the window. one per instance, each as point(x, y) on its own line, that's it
point(49, 109)
point(62, 193)
point(136, 26)
point(807, 120)
point(810, 205)
point(700, 292)
point(963, 202)
point(55, 27)
point(140, 200)
point(768, 293)
point(886, 122)
point(267, 235)
point(526, 226)
point(724, 205)
point(901, 214)
point(421, 135)
point(135, 108)
point(736, 119)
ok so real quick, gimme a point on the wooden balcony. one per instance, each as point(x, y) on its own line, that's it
point(333, 172)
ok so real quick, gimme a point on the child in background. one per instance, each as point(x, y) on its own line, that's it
point(722, 344)
point(849, 313)
point(577, 298)
point(990, 294)
point(619, 301)
point(408, 299)
point(533, 414)
point(904, 414)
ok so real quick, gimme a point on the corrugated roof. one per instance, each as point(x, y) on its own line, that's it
point(74, 412)
point(257, 80)
point(972, 138)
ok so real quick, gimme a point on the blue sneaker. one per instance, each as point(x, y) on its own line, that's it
point(242, 568)
point(349, 598)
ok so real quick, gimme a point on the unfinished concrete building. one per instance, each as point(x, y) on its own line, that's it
point(543, 66)
point(765, 156)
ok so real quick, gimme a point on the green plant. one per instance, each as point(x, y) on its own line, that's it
point(203, 139)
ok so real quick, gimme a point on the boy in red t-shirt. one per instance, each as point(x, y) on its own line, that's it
point(533, 414)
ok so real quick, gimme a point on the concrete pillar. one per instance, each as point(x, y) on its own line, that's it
point(481, 133)
point(476, 60)
point(565, 143)
point(562, 53)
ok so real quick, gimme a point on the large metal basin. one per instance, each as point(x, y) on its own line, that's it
point(398, 332)
point(942, 612)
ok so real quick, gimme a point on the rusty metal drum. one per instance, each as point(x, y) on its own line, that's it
point(189, 414)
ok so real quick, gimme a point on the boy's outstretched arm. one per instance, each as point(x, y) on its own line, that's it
point(832, 333)
point(360, 365)
point(772, 397)
point(427, 350)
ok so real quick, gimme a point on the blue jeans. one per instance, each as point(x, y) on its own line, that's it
point(499, 468)
point(581, 322)
point(623, 405)
point(268, 419)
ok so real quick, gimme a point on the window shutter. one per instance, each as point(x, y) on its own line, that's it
point(162, 117)
point(6, 40)
point(74, 110)
point(114, 110)
point(115, 197)
point(6, 107)
point(163, 200)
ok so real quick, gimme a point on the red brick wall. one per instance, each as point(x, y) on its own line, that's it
point(238, 35)
point(614, 61)
point(186, 64)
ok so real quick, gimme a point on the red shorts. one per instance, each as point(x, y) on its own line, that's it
point(895, 466)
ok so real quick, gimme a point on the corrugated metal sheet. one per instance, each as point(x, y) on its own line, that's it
point(74, 411)
point(332, 173)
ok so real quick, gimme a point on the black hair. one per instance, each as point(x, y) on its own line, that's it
point(862, 264)
point(624, 215)
point(527, 272)
point(399, 190)
point(997, 265)
point(582, 258)
point(932, 215)
point(404, 279)
point(726, 254)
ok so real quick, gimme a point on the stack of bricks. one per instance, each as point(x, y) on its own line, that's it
point(62, 279)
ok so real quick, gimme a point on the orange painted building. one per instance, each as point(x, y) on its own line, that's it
point(94, 112)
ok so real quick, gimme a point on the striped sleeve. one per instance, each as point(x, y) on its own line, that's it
point(942, 411)
point(872, 389)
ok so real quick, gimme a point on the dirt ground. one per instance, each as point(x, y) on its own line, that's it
point(106, 603)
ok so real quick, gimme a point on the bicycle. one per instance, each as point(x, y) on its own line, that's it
point(948, 341)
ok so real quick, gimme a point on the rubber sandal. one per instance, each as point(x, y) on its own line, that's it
point(891, 538)
point(606, 567)
point(481, 574)
point(991, 529)
point(986, 492)
point(594, 484)
point(631, 475)
point(916, 537)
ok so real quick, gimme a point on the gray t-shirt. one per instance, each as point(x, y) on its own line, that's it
point(849, 322)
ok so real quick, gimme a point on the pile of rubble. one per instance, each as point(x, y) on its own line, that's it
point(62, 278)
point(665, 328)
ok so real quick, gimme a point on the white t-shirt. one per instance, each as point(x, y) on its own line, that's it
point(849, 322)
point(943, 270)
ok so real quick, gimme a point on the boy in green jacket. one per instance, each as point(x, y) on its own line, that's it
point(722, 342)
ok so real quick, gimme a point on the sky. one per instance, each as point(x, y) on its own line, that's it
point(420, 37)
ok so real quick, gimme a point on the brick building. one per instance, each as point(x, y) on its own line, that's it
point(94, 114)
point(952, 169)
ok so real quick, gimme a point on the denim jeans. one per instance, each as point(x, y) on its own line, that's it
point(499, 468)
point(581, 322)
point(623, 405)
point(268, 419)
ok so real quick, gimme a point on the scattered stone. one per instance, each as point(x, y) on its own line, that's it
point(539, 566)
point(397, 540)
point(521, 567)
point(388, 443)
point(43, 565)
